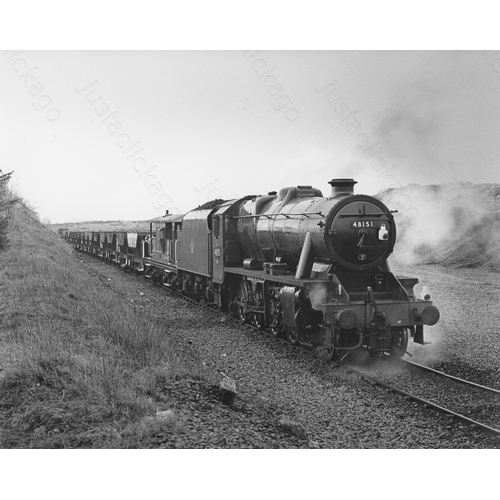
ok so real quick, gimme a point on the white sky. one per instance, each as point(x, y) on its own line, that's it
point(208, 122)
point(211, 124)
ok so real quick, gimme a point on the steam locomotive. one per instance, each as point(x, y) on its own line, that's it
point(309, 268)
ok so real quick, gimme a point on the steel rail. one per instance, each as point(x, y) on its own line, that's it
point(447, 375)
point(425, 402)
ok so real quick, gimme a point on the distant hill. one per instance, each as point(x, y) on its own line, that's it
point(456, 224)
point(99, 225)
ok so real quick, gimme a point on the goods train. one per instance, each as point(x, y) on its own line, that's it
point(310, 268)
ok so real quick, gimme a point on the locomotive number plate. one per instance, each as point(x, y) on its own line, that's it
point(362, 223)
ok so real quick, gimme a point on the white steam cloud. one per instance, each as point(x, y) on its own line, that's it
point(453, 224)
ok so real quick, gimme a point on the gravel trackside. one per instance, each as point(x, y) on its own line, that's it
point(275, 383)
point(466, 341)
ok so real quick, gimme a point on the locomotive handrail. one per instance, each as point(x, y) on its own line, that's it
point(312, 213)
point(254, 216)
point(288, 216)
point(261, 215)
point(364, 214)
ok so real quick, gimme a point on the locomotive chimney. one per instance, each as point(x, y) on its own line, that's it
point(344, 186)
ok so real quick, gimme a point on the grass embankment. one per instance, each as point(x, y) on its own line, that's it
point(79, 365)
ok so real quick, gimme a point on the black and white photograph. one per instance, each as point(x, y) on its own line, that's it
point(206, 246)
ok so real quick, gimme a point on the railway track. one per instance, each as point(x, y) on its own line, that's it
point(479, 396)
point(379, 380)
point(451, 377)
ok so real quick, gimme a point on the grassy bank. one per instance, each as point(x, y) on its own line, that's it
point(78, 364)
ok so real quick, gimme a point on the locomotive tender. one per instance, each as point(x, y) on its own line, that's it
point(312, 269)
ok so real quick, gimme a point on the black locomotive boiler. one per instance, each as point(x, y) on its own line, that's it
point(310, 268)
